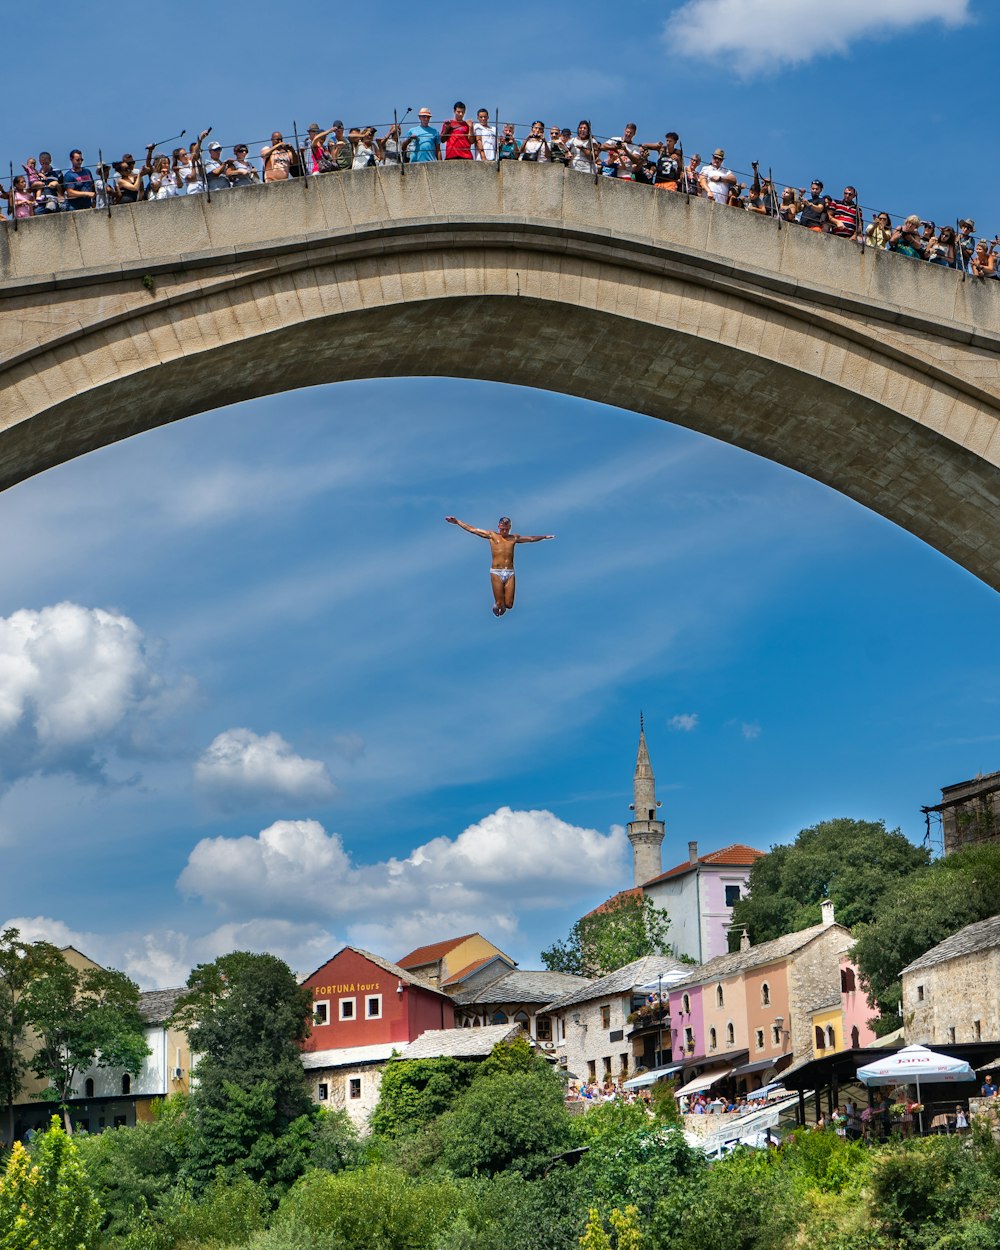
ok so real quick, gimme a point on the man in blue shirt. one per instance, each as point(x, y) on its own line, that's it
point(79, 183)
point(426, 140)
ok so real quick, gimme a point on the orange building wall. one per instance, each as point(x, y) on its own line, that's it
point(761, 1017)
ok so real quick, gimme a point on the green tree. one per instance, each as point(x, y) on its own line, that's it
point(851, 862)
point(21, 963)
point(919, 912)
point(415, 1091)
point(46, 1201)
point(82, 1018)
point(623, 929)
point(246, 1016)
point(514, 1120)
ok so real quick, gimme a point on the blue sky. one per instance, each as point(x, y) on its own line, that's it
point(253, 694)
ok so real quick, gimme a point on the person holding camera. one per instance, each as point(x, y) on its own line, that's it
point(278, 157)
point(623, 156)
point(536, 146)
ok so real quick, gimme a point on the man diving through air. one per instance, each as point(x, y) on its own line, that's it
point(502, 543)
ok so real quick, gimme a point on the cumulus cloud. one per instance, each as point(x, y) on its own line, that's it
point(765, 34)
point(294, 868)
point(684, 722)
point(75, 683)
point(163, 958)
point(241, 765)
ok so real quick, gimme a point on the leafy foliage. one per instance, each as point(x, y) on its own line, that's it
point(245, 1016)
point(83, 1018)
point(852, 862)
point(46, 1199)
point(918, 912)
point(415, 1091)
point(623, 929)
point(21, 963)
point(515, 1120)
point(376, 1208)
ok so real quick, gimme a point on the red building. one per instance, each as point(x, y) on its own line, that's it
point(360, 999)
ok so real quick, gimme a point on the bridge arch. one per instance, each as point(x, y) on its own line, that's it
point(835, 362)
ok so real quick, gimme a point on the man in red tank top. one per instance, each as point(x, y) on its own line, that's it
point(457, 136)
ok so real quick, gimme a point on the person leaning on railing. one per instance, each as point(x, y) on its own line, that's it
point(879, 232)
point(984, 262)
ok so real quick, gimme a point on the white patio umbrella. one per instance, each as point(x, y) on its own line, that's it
point(915, 1063)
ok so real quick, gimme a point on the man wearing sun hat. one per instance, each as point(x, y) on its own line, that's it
point(425, 140)
point(714, 180)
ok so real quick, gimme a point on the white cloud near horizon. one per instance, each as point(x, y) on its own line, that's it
point(240, 765)
point(295, 869)
point(684, 722)
point(768, 34)
point(75, 684)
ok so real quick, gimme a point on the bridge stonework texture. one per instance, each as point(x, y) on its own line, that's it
point(876, 375)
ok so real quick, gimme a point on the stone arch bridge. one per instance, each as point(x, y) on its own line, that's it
point(873, 374)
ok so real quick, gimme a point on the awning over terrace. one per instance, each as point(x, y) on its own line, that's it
point(705, 1081)
point(651, 1077)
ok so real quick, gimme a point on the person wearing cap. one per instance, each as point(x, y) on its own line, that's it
point(317, 148)
point(216, 169)
point(425, 139)
point(715, 181)
point(966, 237)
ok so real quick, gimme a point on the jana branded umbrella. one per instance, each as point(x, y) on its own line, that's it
point(915, 1063)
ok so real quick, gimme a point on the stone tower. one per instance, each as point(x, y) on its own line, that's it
point(645, 832)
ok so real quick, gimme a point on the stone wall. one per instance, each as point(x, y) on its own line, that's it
point(588, 1041)
point(813, 977)
point(954, 995)
point(338, 1083)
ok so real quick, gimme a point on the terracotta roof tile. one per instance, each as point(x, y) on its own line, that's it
point(735, 856)
point(635, 892)
point(431, 954)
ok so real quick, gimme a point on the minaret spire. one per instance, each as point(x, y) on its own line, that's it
point(645, 832)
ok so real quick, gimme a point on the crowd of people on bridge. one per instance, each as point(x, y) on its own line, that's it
point(205, 167)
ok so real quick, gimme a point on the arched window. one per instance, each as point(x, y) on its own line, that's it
point(686, 1005)
point(765, 995)
point(847, 980)
point(499, 1017)
point(820, 1039)
point(126, 1084)
point(720, 1000)
point(521, 1018)
point(855, 1037)
point(713, 1040)
point(730, 1034)
point(88, 1087)
point(831, 1037)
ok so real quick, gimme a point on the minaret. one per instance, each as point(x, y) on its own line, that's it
point(645, 832)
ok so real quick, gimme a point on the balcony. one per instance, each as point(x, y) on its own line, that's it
point(646, 1020)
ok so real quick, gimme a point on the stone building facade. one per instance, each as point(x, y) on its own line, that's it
point(593, 1037)
point(952, 993)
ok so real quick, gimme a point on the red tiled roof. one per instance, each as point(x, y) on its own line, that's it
point(431, 954)
point(735, 856)
point(635, 892)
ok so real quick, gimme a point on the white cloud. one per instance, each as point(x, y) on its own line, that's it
point(750, 730)
point(294, 868)
point(684, 722)
point(164, 958)
point(74, 682)
point(240, 764)
point(765, 34)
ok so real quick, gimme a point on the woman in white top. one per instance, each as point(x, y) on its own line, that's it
point(583, 150)
point(536, 146)
point(190, 171)
point(162, 180)
point(365, 149)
